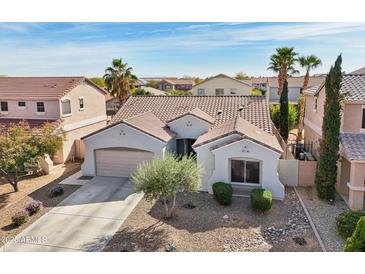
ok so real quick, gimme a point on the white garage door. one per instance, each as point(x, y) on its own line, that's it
point(119, 162)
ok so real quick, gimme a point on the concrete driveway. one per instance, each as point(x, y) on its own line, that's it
point(85, 221)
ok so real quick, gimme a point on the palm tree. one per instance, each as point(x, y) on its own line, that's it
point(308, 63)
point(282, 62)
point(119, 80)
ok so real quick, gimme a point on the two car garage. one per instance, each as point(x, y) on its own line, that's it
point(119, 162)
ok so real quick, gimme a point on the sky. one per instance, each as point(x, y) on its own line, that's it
point(171, 49)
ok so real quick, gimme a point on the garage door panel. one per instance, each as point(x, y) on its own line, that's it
point(119, 163)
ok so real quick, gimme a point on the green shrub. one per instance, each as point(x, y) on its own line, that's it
point(223, 193)
point(261, 199)
point(346, 222)
point(19, 218)
point(293, 115)
point(356, 243)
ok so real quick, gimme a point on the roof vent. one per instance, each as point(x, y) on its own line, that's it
point(240, 108)
point(219, 112)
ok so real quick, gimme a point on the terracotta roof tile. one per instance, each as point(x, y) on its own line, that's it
point(354, 87)
point(150, 124)
point(197, 112)
point(358, 71)
point(353, 145)
point(39, 87)
point(245, 129)
point(222, 108)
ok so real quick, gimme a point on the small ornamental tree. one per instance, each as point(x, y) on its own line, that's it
point(163, 178)
point(21, 147)
point(284, 113)
point(326, 172)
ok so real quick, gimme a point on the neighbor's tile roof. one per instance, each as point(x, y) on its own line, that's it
point(150, 124)
point(197, 112)
point(46, 88)
point(353, 145)
point(297, 81)
point(222, 108)
point(245, 129)
point(358, 71)
point(36, 124)
point(180, 81)
point(354, 87)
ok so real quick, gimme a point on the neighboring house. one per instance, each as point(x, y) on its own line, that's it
point(175, 84)
point(295, 85)
point(259, 83)
point(351, 171)
point(74, 104)
point(222, 85)
point(232, 137)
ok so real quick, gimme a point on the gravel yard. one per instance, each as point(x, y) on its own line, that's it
point(41, 192)
point(211, 227)
point(323, 215)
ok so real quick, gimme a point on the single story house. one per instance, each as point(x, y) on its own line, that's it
point(222, 84)
point(232, 137)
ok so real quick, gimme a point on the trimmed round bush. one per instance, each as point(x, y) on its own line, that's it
point(223, 193)
point(346, 222)
point(261, 199)
point(33, 207)
point(356, 243)
point(19, 218)
point(56, 191)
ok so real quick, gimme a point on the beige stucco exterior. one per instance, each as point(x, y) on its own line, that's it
point(351, 174)
point(52, 109)
point(222, 82)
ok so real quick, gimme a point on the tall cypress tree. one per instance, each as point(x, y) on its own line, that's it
point(284, 112)
point(326, 172)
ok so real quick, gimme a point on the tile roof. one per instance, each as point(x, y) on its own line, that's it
point(353, 145)
point(221, 75)
point(297, 81)
point(180, 81)
point(245, 129)
point(150, 124)
point(40, 87)
point(197, 112)
point(354, 87)
point(36, 124)
point(358, 71)
point(222, 108)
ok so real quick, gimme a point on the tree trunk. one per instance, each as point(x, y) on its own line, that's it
point(14, 184)
point(302, 109)
point(166, 208)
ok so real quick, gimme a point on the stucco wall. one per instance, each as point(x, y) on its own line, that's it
point(312, 137)
point(52, 110)
point(118, 136)
point(222, 82)
point(189, 127)
point(293, 94)
point(244, 149)
point(352, 117)
point(94, 102)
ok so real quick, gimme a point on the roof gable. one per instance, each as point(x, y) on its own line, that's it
point(46, 88)
point(196, 112)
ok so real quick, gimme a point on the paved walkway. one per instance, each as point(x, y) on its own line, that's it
point(85, 221)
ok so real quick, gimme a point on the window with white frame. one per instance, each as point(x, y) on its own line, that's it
point(245, 171)
point(21, 104)
point(81, 103)
point(219, 91)
point(233, 91)
point(40, 107)
point(66, 107)
point(201, 91)
point(4, 106)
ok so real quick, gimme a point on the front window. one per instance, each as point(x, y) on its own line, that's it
point(201, 91)
point(244, 171)
point(4, 106)
point(21, 104)
point(184, 147)
point(363, 117)
point(315, 103)
point(66, 107)
point(219, 91)
point(40, 107)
